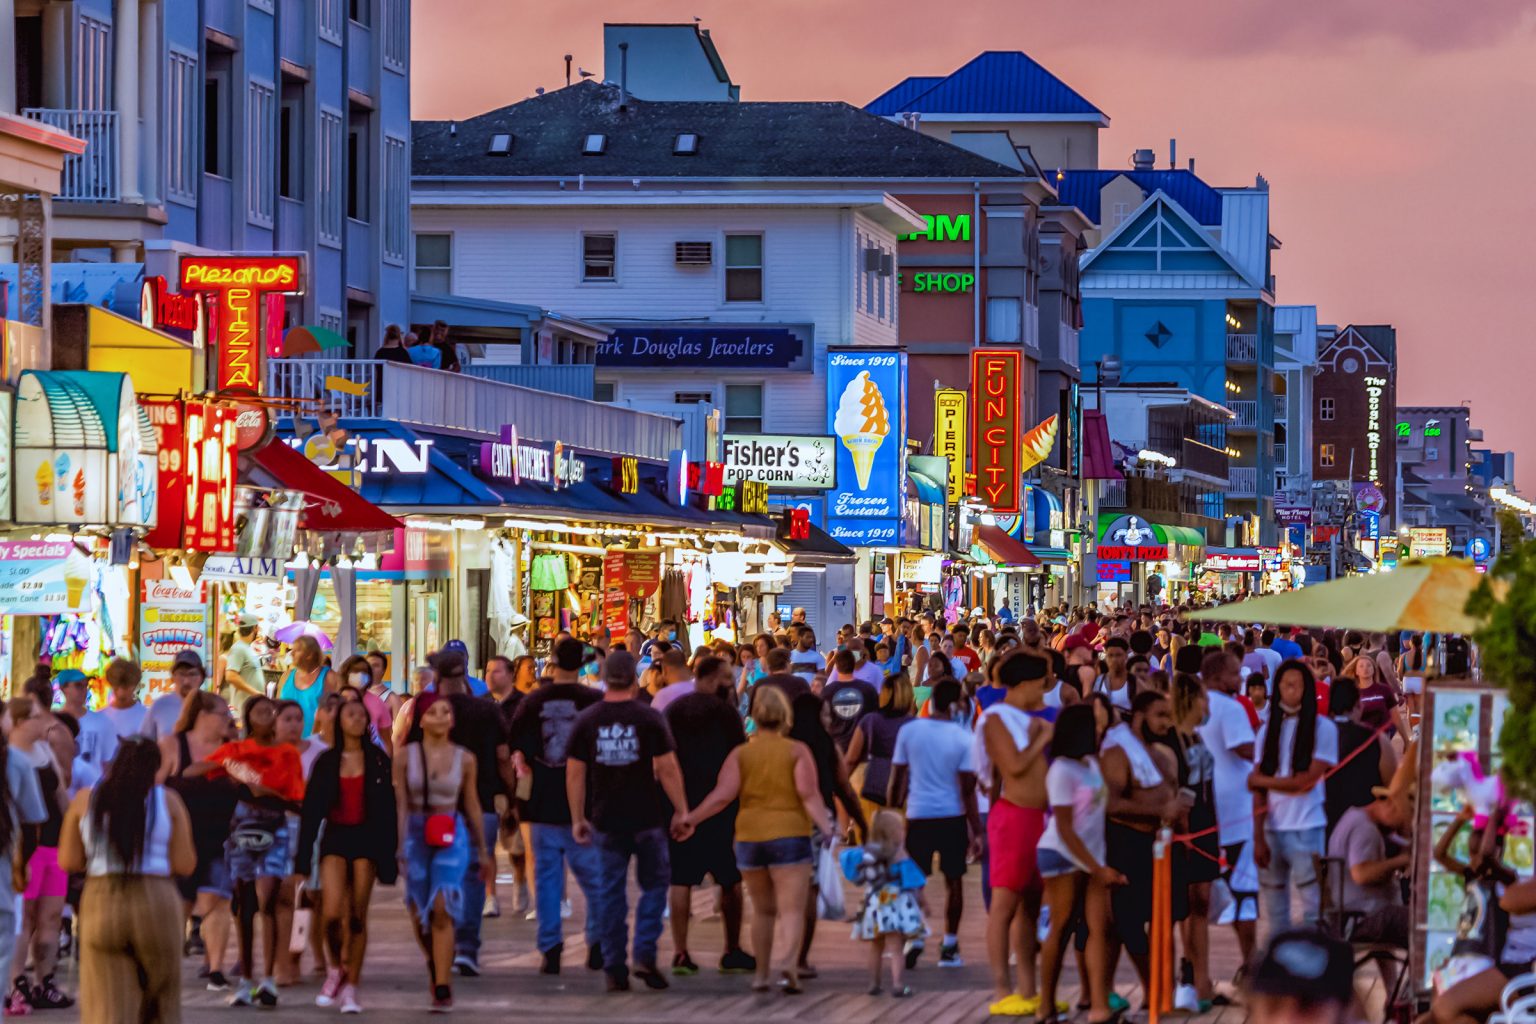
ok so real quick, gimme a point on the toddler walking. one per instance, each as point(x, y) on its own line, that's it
point(893, 897)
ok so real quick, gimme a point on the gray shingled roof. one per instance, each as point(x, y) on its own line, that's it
point(736, 140)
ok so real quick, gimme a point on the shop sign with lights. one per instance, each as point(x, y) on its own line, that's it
point(626, 475)
point(515, 461)
point(239, 285)
point(949, 436)
point(795, 524)
point(1375, 387)
point(210, 477)
point(745, 496)
point(166, 416)
point(165, 310)
point(707, 478)
point(995, 427)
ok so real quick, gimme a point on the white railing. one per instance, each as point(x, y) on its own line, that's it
point(1242, 481)
point(1242, 348)
point(1280, 456)
point(1282, 408)
point(1245, 414)
point(457, 401)
point(92, 176)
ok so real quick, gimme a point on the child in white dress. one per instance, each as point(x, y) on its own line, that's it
point(894, 905)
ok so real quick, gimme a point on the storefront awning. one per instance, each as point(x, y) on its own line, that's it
point(1098, 451)
point(818, 548)
point(1185, 535)
point(1003, 549)
point(334, 506)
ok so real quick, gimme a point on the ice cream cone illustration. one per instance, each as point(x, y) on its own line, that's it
point(79, 492)
point(75, 582)
point(863, 424)
point(45, 484)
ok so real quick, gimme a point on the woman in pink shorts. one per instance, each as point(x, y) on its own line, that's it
point(47, 884)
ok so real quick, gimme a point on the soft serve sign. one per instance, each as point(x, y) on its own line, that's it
point(866, 406)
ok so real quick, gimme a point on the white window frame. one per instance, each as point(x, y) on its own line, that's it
point(761, 268)
point(395, 33)
point(613, 277)
point(396, 213)
point(93, 64)
point(1326, 408)
point(417, 267)
point(1327, 456)
point(762, 407)
point(260, 152)
point(330, 188)
point(183, 121)
point(332, 19)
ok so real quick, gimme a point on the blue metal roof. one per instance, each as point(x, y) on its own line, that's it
point(994, 82)
point(1080, 188)
point(895, 99)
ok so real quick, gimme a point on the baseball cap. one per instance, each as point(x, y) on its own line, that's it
point(619, 668)
point(456, 647)
point(1075, 641)
point(68, 676)
point(1307, 965)
point(188, 658)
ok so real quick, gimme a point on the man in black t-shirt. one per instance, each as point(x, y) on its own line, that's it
point(706, 728)
point(540, 737)
point(850, 699)
point(625, 787)
point(479, 728)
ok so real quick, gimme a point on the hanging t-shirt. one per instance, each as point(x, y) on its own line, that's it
point(1078, 784)
point(1292, 812)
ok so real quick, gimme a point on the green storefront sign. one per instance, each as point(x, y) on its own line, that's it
point(942, 228)
point(953, 283)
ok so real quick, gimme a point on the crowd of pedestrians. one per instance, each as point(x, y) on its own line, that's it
point(1049, 752)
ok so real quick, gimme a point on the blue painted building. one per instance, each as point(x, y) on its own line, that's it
point(229, 126)
point(1178, 289)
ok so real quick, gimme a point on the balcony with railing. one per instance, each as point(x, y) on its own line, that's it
point(1280, 454)
point(416, 395)
point(1243, 482)
point(573, 379)
point(1242, 348)
point(1245, 414)
point(1203, 459)
point(92, 176)
point(1282, 408)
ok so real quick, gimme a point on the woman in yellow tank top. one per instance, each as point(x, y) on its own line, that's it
point(774, 779)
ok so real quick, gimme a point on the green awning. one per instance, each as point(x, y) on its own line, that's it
point(1185, 535)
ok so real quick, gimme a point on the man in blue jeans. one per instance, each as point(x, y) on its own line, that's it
point(540, 734)
point(621, 774)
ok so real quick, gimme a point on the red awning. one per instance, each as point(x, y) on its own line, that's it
point(1003, 549)
point(1098, 452)
point(332, 504)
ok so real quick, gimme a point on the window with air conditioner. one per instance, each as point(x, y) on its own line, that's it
point(743, 268)
point(743, 408)
point(693, 397)
point(598, 256)
point(693, 254)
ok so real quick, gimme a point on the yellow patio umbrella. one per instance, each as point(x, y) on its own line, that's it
point(1426, 595)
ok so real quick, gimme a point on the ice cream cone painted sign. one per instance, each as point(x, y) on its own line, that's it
point(866, 407)
point(995, 427)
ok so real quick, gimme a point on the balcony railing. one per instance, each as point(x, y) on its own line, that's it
point(92, 176)
point(1280, 454)
point(435, 398)
point(1242, 348)
point(1243, 482)
point(575, 379)
point(1282, 409)
point(1245, 414)
point(1205, 460)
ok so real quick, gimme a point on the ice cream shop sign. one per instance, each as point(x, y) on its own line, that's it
point(866, 409)
point(85, 453)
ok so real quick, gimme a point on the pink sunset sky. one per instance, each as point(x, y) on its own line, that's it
point(1396, 136)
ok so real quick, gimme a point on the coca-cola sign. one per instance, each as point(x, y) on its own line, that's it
point(253, 421)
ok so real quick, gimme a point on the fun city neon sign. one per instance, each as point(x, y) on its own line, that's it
point(238, 285)
point(1374, 387)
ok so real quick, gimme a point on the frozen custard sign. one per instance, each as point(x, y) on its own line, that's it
point(661, 347)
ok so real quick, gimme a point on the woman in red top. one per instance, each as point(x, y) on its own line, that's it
point(350, 806)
